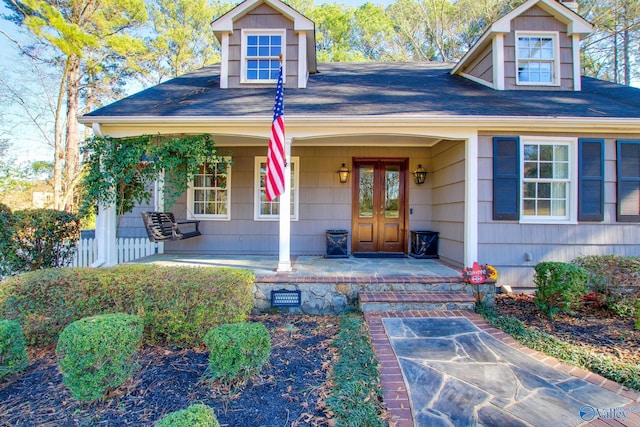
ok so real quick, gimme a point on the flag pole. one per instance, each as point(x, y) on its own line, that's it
point(278, 174)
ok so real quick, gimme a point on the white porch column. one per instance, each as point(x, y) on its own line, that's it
point(158, 203)
point(106, 223)
point(471, 200)
point(284, 253)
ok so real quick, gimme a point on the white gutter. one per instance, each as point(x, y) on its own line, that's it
point(388, 119)
point(310, 126)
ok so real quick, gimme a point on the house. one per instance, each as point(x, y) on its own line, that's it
point(526, 160)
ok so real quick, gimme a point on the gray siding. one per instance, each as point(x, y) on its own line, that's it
point(130, 224)
point(482, 66)
point(266, 18)
point(536, 19)
point(448, 184)
point(324, 202)
point(503, 244)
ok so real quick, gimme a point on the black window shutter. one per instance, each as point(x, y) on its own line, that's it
point(506, 178)
point(590, 180)
point(628, 181)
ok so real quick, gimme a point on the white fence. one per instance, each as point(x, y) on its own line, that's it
point(129, 249)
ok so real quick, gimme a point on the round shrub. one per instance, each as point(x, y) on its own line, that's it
point(560, 286)
point(13, 353)
point(197, 415)
point(97, 353)
point(237, 351)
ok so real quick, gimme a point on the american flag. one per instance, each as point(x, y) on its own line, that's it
point(276, 161)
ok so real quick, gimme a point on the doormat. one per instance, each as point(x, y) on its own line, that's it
point(379, 255)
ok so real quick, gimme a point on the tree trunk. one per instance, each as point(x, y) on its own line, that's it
point(72, 137)
point(59, 146)
point(625, 45)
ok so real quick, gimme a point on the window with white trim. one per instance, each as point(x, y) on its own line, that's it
point(548, 179)
point(260, 55)
point(209, 194)
point(269, 210)
point(537, 59)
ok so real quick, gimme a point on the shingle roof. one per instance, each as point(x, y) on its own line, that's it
point(370, 89)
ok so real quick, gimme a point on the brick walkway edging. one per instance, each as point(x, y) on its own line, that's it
point(394, 390)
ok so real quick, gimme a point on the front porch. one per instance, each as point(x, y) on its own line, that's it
point(329, 285)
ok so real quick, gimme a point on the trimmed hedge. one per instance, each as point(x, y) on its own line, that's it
point(178, 305)
point(13, 352)
point(560, 286)
point(237, 351)
point(97, 353)
point(197, 415)
point(612, 273)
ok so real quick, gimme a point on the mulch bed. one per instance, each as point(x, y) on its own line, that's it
point(289, 391)
point(591, 326)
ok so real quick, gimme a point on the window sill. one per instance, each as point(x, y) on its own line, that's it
point(548, 221)
point(537, 84)
point(260, 82)
point(208, 218)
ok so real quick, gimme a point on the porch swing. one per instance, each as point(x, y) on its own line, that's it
point(162, 226)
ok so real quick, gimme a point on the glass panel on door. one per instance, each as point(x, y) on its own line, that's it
point(366, 191)
point(392, 191)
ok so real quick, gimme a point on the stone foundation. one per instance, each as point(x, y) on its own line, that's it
point(332, 298)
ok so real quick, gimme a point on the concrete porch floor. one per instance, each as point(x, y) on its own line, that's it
point(314, 267)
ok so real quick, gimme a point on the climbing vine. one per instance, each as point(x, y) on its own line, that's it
point(123, 170)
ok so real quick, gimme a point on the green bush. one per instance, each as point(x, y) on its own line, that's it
point(97, 353)
point(638, 314)
point(615, 279)
point(197, 415)
point(560, 286)
point(37, 238)
point(178, 305)
point(6, 250)
point(356, 397)
point(609, 273)
point(237, 351)
point(13, 353)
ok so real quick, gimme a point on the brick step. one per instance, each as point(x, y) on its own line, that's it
point(415, 300)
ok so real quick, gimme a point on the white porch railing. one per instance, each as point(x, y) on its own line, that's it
point(129, 249)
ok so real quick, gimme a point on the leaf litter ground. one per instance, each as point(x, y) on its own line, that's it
point(590, 326)
point(290, 390)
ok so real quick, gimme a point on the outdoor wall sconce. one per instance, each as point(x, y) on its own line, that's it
point(343, 174)
point(420, 174)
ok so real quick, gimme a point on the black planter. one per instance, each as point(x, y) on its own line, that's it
point(337, 244)
point(424, 244)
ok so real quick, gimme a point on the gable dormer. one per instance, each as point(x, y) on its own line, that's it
point(535, 46)
point(252, 37)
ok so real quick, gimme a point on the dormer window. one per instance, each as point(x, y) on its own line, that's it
point(260, 55)
point(537, 59)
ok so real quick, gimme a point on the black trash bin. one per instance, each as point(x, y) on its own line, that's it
point(337, 244)
point(424, 244)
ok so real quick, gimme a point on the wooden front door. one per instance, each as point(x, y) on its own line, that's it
point(379, 206)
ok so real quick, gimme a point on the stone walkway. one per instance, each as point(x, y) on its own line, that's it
point(453, 369)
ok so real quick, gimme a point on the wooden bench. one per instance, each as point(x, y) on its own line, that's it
point(162, 226)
